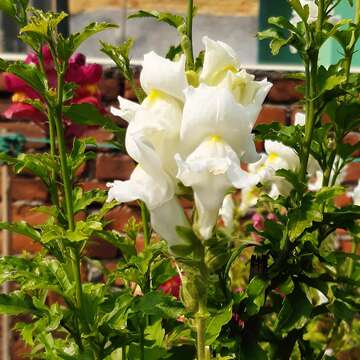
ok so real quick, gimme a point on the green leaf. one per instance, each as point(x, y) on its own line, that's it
point(173, 20)
point(293, 179)
point(31, 75)
point(88, 114)
point(16, 303)
point(303, 217)
point(342, 310)
point(22, 228)
point(123, 243)
point(83, 199)
point(295, 312)
point(303, 12)
point(78, 38)
point(215, 323)
point(156, 303)
point(288, 135)
point(287, 287)
point(256, 287)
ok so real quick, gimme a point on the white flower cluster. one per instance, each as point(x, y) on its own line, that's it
point(194, 128)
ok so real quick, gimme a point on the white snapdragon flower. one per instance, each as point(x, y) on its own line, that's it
point(219, 58)
point(159, 73)
point(213, 110)
point(355, 194)
point(211, 170)
point(278, 156)
point(165, 211)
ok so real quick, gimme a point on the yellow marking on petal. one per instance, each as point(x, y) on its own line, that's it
point(91, 89)
point(154, 95)
point(215, 138)
point(272, 157)
point(231, 68)
point(19, 97)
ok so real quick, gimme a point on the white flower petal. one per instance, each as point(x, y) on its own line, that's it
point(165, 219)
point(227, 211)
point(165, 212)
point(249, 198)
point(245, 89)
point(159, 73)
point(218, 59)
point(212, 111)
point(300, 118)
point(141, 186)
point(211, 170)
point(127, 109)
point(157, 124)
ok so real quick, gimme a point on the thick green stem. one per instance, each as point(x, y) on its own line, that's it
point(201, 317)
point(189, 45)
point(202, 313)
point(67, 187)
point(311, 77)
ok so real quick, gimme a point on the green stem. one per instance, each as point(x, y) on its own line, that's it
point(145, 217)
point(311, 76)
point(66, 178)
point(201, 329)
point(189, 32)
point(202, 313)
point(123, 353)
point(52, 136)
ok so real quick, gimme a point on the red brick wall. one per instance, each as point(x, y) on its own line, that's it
point(27, 191)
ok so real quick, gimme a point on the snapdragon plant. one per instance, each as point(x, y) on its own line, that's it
point(273, 287)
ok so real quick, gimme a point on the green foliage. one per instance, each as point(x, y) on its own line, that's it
point(170, 19)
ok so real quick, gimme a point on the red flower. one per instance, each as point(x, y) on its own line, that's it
point(172, 286)
point(86, 76)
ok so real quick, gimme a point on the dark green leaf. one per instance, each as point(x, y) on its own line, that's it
point(294, 313)
point(215, 323)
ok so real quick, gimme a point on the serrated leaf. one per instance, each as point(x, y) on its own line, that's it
point(83, 199)
point(78, 38)
point(171, 19)
point(88, 114)
point(215, 323)
point(30, 74)
point(22, 228)
point(16, 303)
point(303, 217)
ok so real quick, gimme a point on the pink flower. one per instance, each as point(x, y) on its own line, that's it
point(271, 217)
point(258, 222)
point(172, 286)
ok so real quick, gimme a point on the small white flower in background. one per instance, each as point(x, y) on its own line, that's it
point(278, 156)
point(227, 211)
point(355, 194)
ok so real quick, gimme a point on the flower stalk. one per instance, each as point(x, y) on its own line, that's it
point(188, 46)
